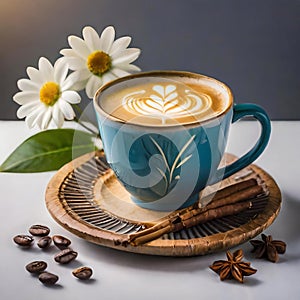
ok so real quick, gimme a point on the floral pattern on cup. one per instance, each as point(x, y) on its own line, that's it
point(169, 176)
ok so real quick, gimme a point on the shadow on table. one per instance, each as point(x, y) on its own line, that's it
point(286, 227)
point(151, 262)
point(287, 224)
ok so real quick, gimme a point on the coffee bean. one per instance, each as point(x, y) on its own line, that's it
point(23, 240)
point(65, 256)
point(48, 278)
point(61, 242)
point(36, 266)
point(39, 230)
point(83, 273)
point(44, 242)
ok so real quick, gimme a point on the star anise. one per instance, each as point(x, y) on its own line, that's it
point(233, 267)
point(268, 248)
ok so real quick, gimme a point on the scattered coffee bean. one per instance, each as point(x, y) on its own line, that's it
point(61, 242)
point(36, 266)
point(23, 240)
point(39, 230)
point(44, 242)
point(48, 278)
point(65, 256)
point(83, 273)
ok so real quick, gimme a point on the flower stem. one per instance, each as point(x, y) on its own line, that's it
point(78, 108)
point(80, 111)
point(86, 127)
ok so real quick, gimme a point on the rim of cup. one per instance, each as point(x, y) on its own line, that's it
point(164, 73)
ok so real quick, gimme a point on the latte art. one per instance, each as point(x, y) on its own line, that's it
point(166, 101)
point(163, 101)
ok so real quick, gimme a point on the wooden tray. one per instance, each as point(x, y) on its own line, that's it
point(85, 197)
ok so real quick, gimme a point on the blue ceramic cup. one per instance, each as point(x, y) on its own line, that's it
point(165, 164)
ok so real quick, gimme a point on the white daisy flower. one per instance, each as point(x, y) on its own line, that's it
point(98, 60)
point(46, 97)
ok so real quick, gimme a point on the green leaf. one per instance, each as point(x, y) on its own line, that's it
point(48, 150)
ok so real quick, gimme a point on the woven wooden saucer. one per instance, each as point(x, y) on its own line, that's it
point(85, 197)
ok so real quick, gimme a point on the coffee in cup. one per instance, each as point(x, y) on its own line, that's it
point(166, 100)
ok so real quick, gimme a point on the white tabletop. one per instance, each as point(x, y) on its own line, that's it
point(120, 275)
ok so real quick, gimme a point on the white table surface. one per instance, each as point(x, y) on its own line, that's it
point(120, 275)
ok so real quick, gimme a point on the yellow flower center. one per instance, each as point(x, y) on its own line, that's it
point(98, 62)
point(49, 93)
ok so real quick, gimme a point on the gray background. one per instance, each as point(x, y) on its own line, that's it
point(253, 46)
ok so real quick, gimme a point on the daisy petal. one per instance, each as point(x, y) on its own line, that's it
point(107, 38)
point(75, 63)
point(107, 77)
point(79, 85)
point(57, 115)
point(26, 109)
point(91, 38)
point(73, 78)
point(118, 72)
point(60, 71)
point(126, 56)
point(79, 46)
point(46, 118)
point(26, 97)
point(92, 86)
point(66, 109)
point(38, 120)
point(129, 68)
point(34, 75)
point(27, 85)
point(30, 119)
point(46, 69)
point(119, 45)
point(71, 97)
point(68, 52)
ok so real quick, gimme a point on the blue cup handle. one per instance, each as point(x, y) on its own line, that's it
point(240, 111)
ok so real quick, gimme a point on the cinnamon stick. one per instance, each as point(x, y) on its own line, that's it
point(229, 190)
point(247, 193)
point(210, 214)
point(235, 188)
point(241, 195)
point(226, 202)
point(219, 212)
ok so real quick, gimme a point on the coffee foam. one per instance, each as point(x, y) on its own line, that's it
point(160, 101)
